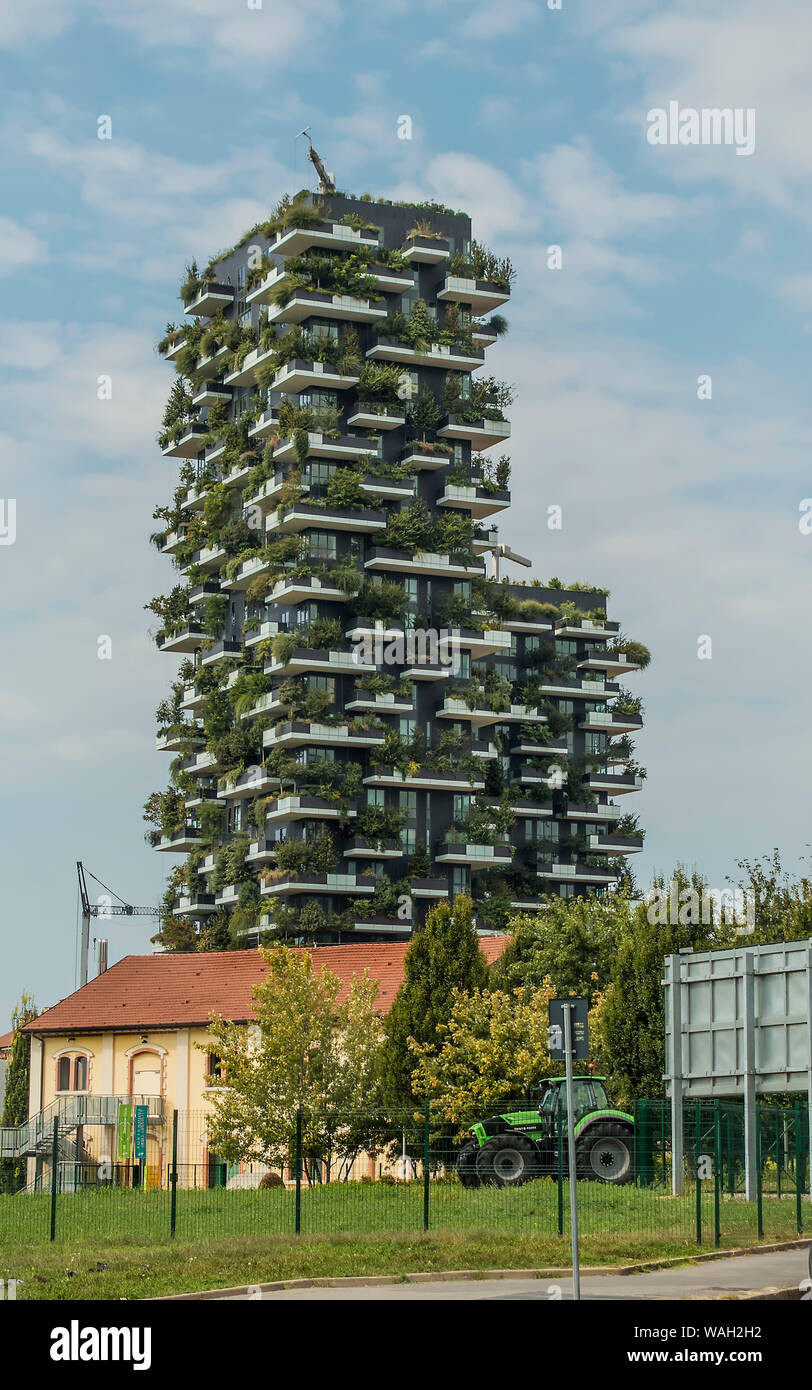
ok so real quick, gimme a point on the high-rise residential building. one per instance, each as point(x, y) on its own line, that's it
point(367, 719)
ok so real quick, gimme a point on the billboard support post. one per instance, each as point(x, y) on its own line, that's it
point(749, 1015)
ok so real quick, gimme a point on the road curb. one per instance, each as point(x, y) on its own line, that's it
point(355, 1281)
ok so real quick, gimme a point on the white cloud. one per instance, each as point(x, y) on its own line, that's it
point(708, 57)
point(583, 195)
point(18, 247)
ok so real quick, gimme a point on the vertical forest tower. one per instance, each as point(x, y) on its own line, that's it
point(337, 770)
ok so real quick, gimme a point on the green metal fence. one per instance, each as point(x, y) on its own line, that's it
point(368, 1172)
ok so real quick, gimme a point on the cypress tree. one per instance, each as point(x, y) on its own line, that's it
point(443, 956)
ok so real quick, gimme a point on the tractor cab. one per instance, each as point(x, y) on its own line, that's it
point(589, 1094)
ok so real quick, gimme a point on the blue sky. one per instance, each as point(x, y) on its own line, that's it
point(677, 262)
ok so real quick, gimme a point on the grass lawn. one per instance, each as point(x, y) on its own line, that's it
point(113, 1242)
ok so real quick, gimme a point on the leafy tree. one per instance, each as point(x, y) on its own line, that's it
point(444, 956)
point(310, 1051)
point(632, 1016)
point(15, 1107)
point(493, 1044)
point(572, 943)
point(783, 906)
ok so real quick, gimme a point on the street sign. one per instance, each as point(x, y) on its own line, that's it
point(141, 1113)
point(125, 1129)
point(578, 1010)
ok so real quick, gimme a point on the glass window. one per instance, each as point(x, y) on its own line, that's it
point(322, 328)
point(323, 543)
point(408, 839)
point(376, 796)
point(80, 1074)
point(459, 879)
point(318, 399)
point(63, 1071)
point(461, 806)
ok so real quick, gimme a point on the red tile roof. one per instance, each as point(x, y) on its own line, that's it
point(179, 990)
point(6, 1039)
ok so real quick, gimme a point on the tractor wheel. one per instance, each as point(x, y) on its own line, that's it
point(604, 1153)
point(466, 1165)
point(508, 1160)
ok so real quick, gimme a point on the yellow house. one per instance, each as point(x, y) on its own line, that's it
point(128, 1039)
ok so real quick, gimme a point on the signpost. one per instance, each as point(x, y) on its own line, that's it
point(569, 1037)
point(141, 1113)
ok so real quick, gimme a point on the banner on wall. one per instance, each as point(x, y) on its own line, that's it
point(125, 1131)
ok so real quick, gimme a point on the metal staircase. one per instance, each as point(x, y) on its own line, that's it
point(34, 1138)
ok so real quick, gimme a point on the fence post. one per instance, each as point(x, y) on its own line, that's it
point(173, 1176)
point(697, 1125)
point(54, 1174)
point(298, 1171)
point(759, 1184)
point(426, 1163)
point(796, 1117)
point(560, 1177)
point(717, 1161)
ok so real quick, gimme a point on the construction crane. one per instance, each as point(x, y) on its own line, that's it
point(327, 183)
point(499, 551)
point(103, 909)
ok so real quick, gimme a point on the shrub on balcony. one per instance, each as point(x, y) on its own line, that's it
point(344, 490)
point(385, 602)
point(410, 529)
point(326, 634)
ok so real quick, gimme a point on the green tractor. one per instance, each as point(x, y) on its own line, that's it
point(508, 1150)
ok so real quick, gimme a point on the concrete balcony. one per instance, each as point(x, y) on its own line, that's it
point(261, 634)
point(288, 592)
point(597, 811)
point(360, 848)
point(418, 456)
point(321, 662)
point(481, 434)
point(390, 489)
point(433, 888)
point(303, 807)
point(478, 856)
point(587, 627)
point(210, 394)
point(308, 882)
point(347, 446)
point(255, 782)
point(181, 841)
point(425, 781)
point(248, 571)
point(304, 516)
point(186, 639)
point(212, 366)
point(492, 641)
point(437, 355)
point(611, 723)
point(422, 562)
point(198, 906)
point(615, 783)
point(483, 295)
point(300, 375)
point(211, 300)
point(222, 651)
point(246, 375)
point(426, 250)
point(484, 540)
point(615, 844)
point(579, 690)
point(267, 424)
point(333, 236)
point(304, 304)
point(301, 734)
point(179, 740)
point(477, 501)
point(575, 873)
point(366, 417)
point(611, 663)
point(391, 281)
point(190, 444)
point(380, 704)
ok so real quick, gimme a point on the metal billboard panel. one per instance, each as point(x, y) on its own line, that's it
point(724, 1042)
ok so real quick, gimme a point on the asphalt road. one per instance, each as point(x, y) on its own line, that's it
point(740, 1274)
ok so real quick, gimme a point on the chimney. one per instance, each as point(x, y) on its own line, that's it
point(102, 950)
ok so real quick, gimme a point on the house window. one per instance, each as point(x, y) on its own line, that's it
point(459, 880)
point(71, 1073)
point(324, 329)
